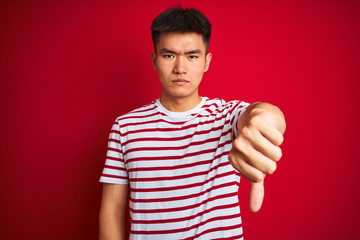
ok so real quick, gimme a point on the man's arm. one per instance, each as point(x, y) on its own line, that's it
point(257, 147)
point(112, 211)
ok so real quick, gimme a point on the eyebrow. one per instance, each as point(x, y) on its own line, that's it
point(166, 50)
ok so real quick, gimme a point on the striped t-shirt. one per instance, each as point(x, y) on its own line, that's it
point(182, 185)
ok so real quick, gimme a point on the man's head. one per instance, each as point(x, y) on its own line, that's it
point(181, 38)
point(181, 20)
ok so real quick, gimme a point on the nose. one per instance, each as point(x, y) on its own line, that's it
point(180, 65)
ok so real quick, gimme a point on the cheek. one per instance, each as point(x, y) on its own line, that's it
point(165, 69)
point(198, 70)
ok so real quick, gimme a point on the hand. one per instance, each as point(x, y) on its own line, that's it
point(256, 150)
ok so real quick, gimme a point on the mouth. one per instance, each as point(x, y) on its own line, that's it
point(180, 80)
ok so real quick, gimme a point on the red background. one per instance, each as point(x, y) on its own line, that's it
point(69, 68)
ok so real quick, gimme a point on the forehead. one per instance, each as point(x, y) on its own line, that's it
point(181, 42)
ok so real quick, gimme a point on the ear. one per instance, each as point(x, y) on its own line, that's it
point(208, 58)
point(153, 59)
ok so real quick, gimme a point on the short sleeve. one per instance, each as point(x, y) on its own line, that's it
point(238, 108)
point(114, 170)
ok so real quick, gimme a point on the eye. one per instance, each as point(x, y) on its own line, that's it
point(168, 56)
point(193, 57)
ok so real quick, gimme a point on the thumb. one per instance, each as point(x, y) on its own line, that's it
point(256, 195)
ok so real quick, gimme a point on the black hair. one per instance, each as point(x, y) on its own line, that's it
point(181, 20)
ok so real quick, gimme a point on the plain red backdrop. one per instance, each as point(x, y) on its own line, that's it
point(69, 68)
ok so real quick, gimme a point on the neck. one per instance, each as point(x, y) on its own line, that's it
point(180, 104)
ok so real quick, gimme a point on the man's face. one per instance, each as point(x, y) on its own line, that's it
point(180, 61)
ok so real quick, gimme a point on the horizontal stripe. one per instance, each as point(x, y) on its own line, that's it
point(156, 139)
point(114, 158)
point(177, 209)
point(171, 157)
point(204, 107)
point(173, 130)
point(169, 178)
point(174, 157)
point(129, 116)
point(232, 237)
point(181, 182)
point(171, 122)
point(192, 143)
point(188, 165)
point(115, 131)
point(114, 150)
point(152, 121)
point(114, 140)
point(170, 231)
point(240, 104)
point(115, 168)
point(159, 221)
point(113, 176)
point(182, 186)
point(178, 198)
point(218, 229)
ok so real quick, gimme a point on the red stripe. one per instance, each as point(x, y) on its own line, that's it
point(160, 158)
point(114, 140)
point(185, 218)
point(185, 196)
point(210, 105)
point(226, 107)
point(232, 237)
point(219, 229)
point(209, 140)
point(182, 186)
point(114, 158)
point(115, 168)
point(115, 131)
point(171, 157)
point(213, 113)
point(114, 150)
point(151, 121)
point(169, 231)
point(174, 129)
point(160, 113)
point(126, 116)
point(166, 168)
point(169, 178)
point(174, 123)
point(177, 209)
point(172, 138)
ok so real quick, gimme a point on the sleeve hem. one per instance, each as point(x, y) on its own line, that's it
point(113, 180)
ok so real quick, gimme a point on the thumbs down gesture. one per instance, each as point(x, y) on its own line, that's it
point(256, 150)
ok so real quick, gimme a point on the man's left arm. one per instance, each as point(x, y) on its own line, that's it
point(256, 149)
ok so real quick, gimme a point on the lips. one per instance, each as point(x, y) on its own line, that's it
point(180, 80)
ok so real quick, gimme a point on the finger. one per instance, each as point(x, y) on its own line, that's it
point(249, 172)
point(245, 151)
point(260, 162)
point(267, 148)
point(270, 132)
point(256, 195)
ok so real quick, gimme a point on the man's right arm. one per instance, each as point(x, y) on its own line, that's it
point(112, 211)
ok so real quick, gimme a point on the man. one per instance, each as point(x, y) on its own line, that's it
point(182, 155)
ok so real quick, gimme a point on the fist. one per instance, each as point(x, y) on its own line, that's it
point(256, 150)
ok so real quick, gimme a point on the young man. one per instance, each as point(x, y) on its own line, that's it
point(182, 155)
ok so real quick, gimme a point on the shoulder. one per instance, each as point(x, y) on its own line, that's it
point(220, 105)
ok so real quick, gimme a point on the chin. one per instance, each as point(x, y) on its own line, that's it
point(182, 94)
